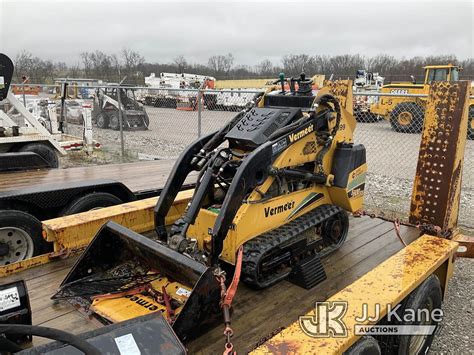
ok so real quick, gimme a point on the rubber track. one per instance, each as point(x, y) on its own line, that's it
point(282, 236)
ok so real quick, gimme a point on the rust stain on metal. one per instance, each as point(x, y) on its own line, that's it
point(452, 196)
point(340, 89)
point(415, 259)
point(435, 198)
point(281, 348)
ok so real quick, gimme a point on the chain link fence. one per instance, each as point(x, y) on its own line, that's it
point(160, 123)
point(390, 125)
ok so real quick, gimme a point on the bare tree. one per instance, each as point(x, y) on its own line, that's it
point(131, 61)
point(87, 62)
point(293, 64)
point(23, 64)
point(104, 66)
point(265, 68)
point(116, 65)
point(221, 64)
point(181, 63)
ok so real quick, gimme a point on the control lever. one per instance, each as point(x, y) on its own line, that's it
point(304, 85)
point(292, 85)
point(281, 80)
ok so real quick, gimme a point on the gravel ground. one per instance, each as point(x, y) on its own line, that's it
point(456, 333)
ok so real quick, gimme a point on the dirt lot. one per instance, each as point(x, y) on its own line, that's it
point(456, 333)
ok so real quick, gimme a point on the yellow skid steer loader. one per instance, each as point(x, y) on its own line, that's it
point(276, 182)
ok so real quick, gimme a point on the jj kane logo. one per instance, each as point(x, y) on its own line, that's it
point(328, 320)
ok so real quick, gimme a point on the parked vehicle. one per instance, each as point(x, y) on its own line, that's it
point(105, 112)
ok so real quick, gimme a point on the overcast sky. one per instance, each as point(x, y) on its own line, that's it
point(252, 31)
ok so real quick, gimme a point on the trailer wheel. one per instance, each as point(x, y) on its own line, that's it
point(407, 117)
point(366, 345)
point(101, 120)
point(470, 123)
point(20, 237)
point(44, 151)
point(92, 201)
point(427, 296)
point(114, 121)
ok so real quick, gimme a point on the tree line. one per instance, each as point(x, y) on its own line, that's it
point(132, 65)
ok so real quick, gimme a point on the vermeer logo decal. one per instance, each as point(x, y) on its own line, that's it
point(298, 135)
point(142, 302)
point(271, 211)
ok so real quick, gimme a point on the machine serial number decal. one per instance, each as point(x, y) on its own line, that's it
point(271, 211)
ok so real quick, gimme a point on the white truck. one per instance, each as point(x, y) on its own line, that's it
point(164, 90)
point(366, 81)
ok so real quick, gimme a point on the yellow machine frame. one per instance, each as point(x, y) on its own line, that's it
point(251, 221)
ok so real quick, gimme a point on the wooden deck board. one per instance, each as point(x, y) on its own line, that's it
point(256, 313)
point(136, 176)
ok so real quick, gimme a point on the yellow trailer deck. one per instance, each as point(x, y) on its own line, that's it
point(257, 314)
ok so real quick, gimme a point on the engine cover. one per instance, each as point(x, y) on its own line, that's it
point(258, 124)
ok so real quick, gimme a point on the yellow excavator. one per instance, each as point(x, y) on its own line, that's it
point(405, 113)
point(273, 190)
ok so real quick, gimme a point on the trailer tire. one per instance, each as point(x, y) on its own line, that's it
point(407, 117)
point(114, 121)
point(44, 151)
point(470, 123)
point(426, 296)
point(101, 120)
point(91, 201)
point(26, 230)
point(366, 345)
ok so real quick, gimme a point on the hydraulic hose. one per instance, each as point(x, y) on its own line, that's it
point(50, 333)
point(337, 108)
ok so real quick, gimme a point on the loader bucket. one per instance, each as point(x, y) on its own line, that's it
point(112, 275)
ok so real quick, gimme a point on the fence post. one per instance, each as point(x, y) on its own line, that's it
point(24, 96)
point(122, 143)
point(87, 109)
point(199, 98)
